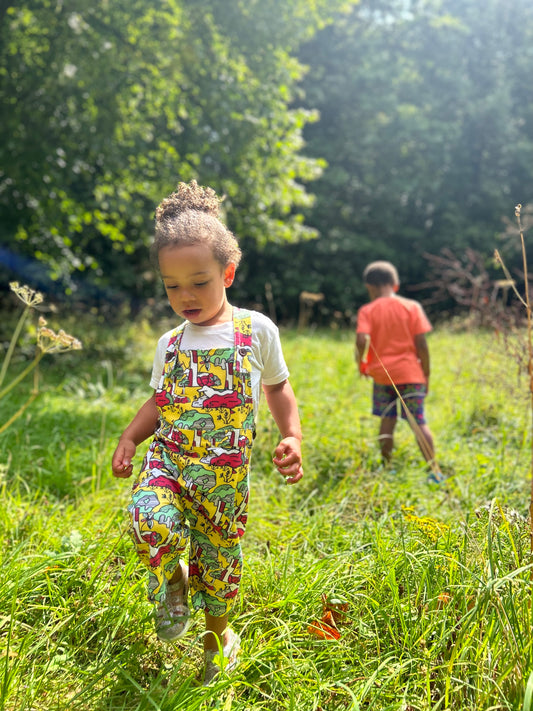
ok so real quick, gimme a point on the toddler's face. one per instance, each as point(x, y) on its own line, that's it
point(196, 283)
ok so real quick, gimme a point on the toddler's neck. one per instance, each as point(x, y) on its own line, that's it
point(377, 292)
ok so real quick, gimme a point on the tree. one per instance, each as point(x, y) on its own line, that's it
point(106, 107)
point(425, 123)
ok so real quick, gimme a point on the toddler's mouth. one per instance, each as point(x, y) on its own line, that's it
point(191, 313)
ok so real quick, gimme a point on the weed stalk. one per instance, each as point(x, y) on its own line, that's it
point(48, 341)
point(526, 302)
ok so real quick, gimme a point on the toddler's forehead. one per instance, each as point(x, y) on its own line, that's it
point(191, 257)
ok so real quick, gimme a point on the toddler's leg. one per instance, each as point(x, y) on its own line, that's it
point(414, 395)
point(215, 566)
point(386, 440)
point(159, 529)
point(160, 543)
point(230, 642)
point(160, 535)
point(215, 626)
point(425, 442)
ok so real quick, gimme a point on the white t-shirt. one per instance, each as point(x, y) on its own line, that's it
point(266, 357)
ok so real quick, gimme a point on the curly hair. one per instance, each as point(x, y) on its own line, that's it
point(190, 215)
point(381, 274)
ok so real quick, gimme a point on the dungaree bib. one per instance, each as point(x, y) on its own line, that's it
point(194, 480)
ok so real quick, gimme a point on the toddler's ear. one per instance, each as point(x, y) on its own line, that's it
point(229, 274)
point(395, 288)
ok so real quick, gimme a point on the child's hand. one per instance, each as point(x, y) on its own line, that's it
point(121, 463)
point(363, 368)
point(288, 459)
point(363, 353)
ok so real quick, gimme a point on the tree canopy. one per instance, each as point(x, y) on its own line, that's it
point(339, 132)
point(105, 107)
point(426, 126)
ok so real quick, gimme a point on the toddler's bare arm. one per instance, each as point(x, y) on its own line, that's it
point(361, 345)
point(140, 428)
point(288, 454)
point(422, 352)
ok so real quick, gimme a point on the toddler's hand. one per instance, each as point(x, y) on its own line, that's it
point(288, 459)
point(121, 464)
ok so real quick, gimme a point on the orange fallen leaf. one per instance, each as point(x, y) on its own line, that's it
point(443, 599)
point(328, 618)
point(323, 631)
point(335, 607)
point(333, 611)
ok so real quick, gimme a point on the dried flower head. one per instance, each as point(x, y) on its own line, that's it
point(28, 296)
point(517, 210)
point(51, 342)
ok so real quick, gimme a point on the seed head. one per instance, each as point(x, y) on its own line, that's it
point(51, 342)
point(28, 296)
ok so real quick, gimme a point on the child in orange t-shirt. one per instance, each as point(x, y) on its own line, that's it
point(392, 350)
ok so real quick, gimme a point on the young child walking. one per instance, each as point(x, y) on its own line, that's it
point(192, 490)
point(392, 349)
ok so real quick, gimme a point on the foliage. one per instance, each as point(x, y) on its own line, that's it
point(425, 124)
point(437, 579)
point(388, 129)
point(105, 108)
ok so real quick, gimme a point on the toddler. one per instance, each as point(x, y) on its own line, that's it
point(192, 491)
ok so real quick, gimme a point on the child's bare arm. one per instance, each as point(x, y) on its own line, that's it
point(288, 454)
point(140, 428)
point(422, 352)
point(361, 345)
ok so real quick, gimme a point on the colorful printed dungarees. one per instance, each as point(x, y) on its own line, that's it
point(193, 483)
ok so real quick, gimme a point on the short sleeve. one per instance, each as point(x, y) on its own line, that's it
point(269, 352)
point(363, 320)
point(159, 360)
point(421, 322)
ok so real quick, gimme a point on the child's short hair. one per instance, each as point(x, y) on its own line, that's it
point(190, 216)
point(381, 274)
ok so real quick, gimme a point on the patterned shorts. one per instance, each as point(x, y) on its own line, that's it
point(386, 401)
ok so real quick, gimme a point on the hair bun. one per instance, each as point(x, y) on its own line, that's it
point(189, 196)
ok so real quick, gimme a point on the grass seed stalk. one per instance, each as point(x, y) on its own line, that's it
point(526, 303)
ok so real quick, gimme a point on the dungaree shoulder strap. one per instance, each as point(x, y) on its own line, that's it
point(242, 323)
point(175, 339)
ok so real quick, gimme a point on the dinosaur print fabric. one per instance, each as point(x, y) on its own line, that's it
point(193, 485)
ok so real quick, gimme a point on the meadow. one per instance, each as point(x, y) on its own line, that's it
point(435, 580)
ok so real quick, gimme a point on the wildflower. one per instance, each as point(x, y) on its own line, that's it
point(428, 526)
point(51, 342)
point(48, 341)
point(28, 296)
point(517, 210)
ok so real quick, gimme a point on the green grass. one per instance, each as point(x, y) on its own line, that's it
point(437, 579)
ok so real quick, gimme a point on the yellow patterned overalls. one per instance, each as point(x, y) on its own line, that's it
point(193, 484)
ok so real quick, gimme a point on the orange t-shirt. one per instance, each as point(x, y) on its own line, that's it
point(392, 323)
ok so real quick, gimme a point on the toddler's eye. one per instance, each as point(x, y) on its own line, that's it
point(203, 283)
